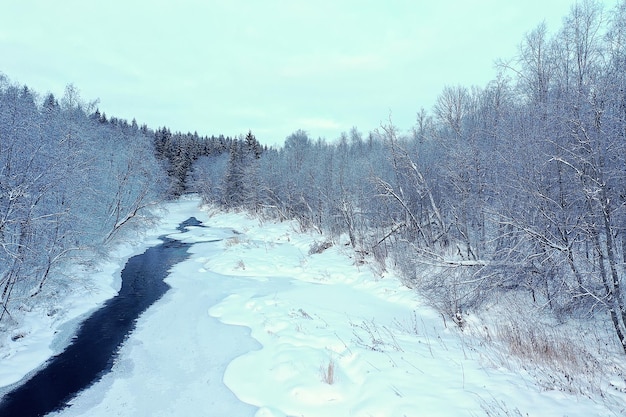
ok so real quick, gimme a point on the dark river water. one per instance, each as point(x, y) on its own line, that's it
point(93, 349)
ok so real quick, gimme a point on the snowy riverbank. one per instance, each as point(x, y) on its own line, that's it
point(47, 328)
point(294, 334)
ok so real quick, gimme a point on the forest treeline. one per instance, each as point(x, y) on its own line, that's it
point(518, 186)
point(71, 180)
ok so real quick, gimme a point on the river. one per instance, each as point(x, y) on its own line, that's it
point(92, 352)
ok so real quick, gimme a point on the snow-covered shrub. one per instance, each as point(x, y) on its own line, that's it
point(320, 246)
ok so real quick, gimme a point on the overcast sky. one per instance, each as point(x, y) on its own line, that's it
point(272, 66)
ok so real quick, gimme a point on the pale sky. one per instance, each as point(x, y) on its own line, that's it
point(272, 66)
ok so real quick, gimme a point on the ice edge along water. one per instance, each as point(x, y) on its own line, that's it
point(390, 354)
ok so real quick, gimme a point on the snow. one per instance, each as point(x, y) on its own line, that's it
point(254, 325)
point(48, 328)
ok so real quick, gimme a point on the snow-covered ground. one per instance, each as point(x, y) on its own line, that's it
point(254, 325)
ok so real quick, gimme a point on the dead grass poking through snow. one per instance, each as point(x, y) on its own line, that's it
point(232, 241)
point(328, 372)
point(556, 358)
point(541, 344)
point(495, 408)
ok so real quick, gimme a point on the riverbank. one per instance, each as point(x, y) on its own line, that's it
point(46, 330)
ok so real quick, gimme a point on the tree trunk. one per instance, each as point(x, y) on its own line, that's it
point(610, 295)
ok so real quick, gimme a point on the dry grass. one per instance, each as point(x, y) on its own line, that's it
point(327, 372)
point(371, 336)
point(495, 408)
point(320, 246)
point(542, 344)
point(557, 359)
point(232, 241)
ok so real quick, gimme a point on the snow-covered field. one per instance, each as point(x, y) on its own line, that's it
point(254, 325)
